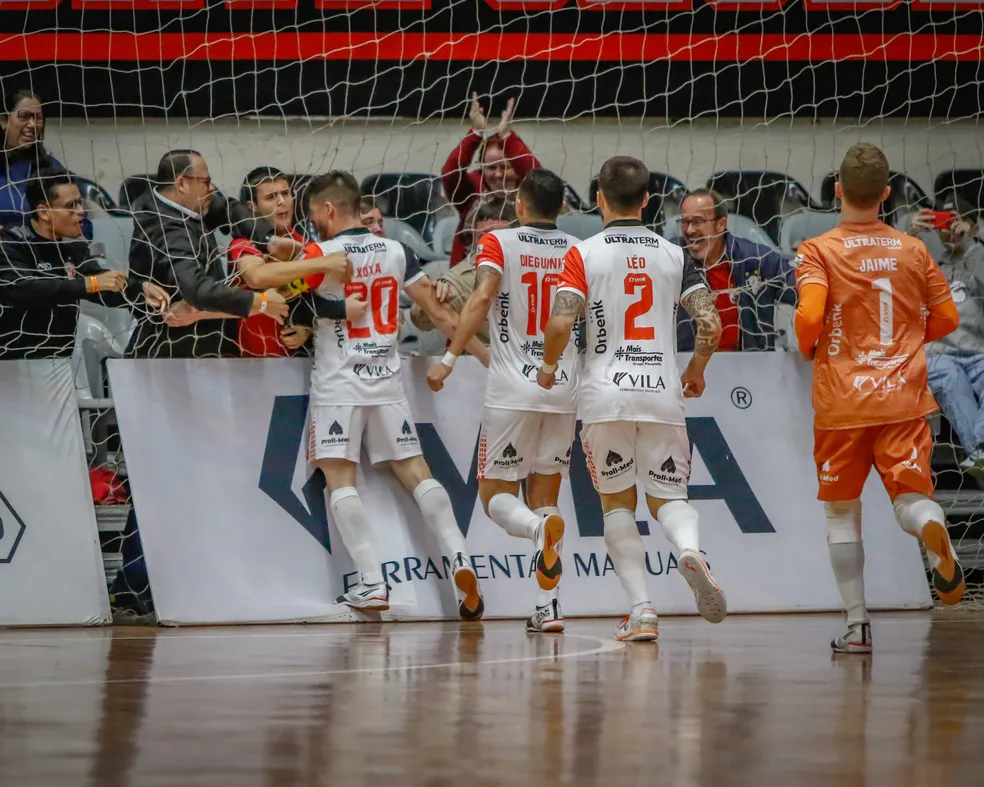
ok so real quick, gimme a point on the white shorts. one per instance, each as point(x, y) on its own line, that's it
point(390, 434)
point(619, 453)
point(515, 443)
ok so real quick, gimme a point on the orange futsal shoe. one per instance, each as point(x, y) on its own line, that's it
point(948, 576)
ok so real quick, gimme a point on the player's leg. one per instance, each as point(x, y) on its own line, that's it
point(392, 436)
point(664, 452)
point(844, 459)
point(902, 454)
point(551, 467)
point(336, 440)
point(507, 449)
point(610, 452)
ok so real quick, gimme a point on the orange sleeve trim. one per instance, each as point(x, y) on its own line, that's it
point(572, 277)
point(943, 319)
point(809, 315)
point(490, 252)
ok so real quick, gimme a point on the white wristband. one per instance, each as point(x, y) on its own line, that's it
point(548, 368)
point(449, 359)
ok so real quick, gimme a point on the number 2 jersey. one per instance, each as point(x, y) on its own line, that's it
point(870, 366)
point(530, 260)
point(359, 363)
point(631, 280)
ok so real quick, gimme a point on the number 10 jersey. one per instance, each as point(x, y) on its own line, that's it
point(530, 260)
point(631, 280)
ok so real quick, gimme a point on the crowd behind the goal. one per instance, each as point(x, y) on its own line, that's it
point(190, 298)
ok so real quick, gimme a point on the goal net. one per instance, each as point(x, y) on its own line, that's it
point(757, 100)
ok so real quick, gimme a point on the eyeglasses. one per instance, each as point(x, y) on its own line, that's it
point(695, 221)
point(26, 116)
point(73, 205)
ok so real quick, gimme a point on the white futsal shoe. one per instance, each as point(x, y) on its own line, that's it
point(643, 627)
point(547, 619)
point(369, 597)
point(711, 603)
point(857, 639)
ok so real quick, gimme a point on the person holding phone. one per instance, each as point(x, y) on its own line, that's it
point(956, 362)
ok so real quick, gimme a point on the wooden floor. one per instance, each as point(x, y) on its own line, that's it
point(754, 701)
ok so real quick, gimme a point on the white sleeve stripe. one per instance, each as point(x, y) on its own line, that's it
point(692, 288)
point(489, 264)
point(414, 280)
point(575, 290)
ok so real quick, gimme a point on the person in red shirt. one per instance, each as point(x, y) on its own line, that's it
point(504, 161)
point(260, 336)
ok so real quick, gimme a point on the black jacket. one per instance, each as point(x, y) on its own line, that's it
point(179, 252)
point(41, 284)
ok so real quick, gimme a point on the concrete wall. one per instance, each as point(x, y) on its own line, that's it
point(690, 151)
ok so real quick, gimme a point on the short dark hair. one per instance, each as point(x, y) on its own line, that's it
point(43, 188)
point(173, 165)
point(863, 175)
point(624, 181)
point(719, 203)
point(11, 101)
point(339, 188)
point(260, 175)
point(366, 203)
point(492, 209)
point(542, 192)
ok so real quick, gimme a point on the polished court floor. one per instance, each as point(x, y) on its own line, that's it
point(754, 701)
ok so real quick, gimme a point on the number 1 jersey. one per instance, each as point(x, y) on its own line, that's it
point(359, 363)
point(870, 366)
point(631, 280)
point(530, 259)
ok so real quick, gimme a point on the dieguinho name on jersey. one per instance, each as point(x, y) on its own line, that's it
point(541, 263)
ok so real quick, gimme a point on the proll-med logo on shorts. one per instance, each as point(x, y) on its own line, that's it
point(564, 461)
point(667, 473)
point(509, 457)
point(336, 435)
point(616, 464)
point(825, 476)
point(407, 435)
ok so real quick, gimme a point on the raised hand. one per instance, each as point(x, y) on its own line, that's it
point(505, 122)
point(477, 115)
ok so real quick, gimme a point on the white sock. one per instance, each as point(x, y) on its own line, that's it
point(679, 521)
point(913, 511)
point(546, 596)
point(512, 515)
point(435, 505)
point(627, 553)
point(847, 556)
point(353, 525)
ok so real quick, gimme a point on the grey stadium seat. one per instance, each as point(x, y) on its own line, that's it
point(581, 225)
point(802, 226)
point(401, 231)
point(444, 236)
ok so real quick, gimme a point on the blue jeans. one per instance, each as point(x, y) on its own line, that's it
point(957, 382)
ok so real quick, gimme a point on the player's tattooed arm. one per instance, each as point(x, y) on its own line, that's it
point(566, 309)
point(567, 304)
point(699, 304)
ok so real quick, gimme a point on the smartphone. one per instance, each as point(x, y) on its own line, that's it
point(943, 219)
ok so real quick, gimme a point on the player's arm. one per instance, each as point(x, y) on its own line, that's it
point(943, 317)
point(699, 303)
point(260, 275)
point(811, 281)
point(572, 294)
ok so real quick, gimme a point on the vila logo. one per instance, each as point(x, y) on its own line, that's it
point(638, 381)
point(335, 428)
point(669, 466)
point(613, 459)
point(528, 370)
point(509, 452)
point(406, 428)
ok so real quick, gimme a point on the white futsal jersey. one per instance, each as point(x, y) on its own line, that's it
point(530, 260)
point(359, 363)
point(631, 280)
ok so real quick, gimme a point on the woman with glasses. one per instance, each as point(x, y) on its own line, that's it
point(23, 153)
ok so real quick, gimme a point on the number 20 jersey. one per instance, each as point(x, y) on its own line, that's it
point(530, 259)
point(631, 280)
point(359, 363)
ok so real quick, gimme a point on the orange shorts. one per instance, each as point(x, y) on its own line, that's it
point(899, 452)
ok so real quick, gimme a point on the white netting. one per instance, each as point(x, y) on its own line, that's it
point(759, 100)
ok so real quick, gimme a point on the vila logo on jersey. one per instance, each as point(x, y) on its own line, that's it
point(11, 530)
point(370, 372)
point(509, 457)
point(336, 435)
point(616, 464)
point(635, 355)
point(407, 435)
point(528, 369)
point(884, 385)
point(638, 382)
point(825, 475)
point(667, 474)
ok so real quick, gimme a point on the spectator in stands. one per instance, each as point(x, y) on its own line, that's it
point(454, 287)
point(956, 362)
point(750, 279)
point(173, 246)
point(44, 274)
point(260, 335)
point(504, 161)
point(23, 154)
point(372, 218)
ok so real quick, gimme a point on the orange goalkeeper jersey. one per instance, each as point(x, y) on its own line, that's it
point(870, 367)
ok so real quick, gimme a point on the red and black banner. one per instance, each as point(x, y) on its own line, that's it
point(567, 58)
